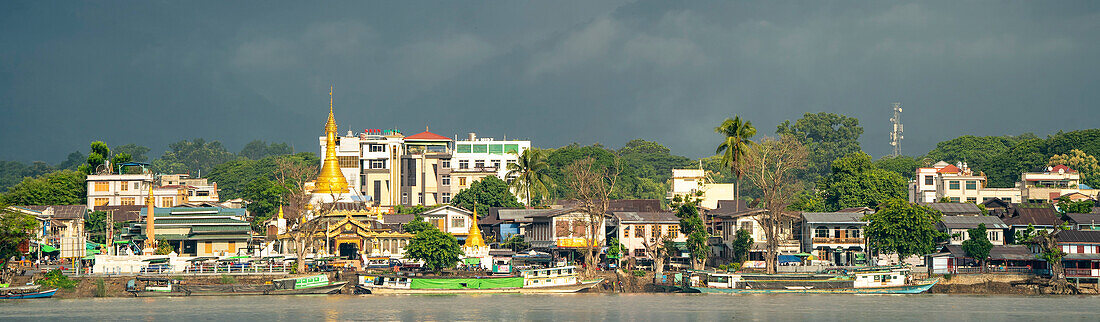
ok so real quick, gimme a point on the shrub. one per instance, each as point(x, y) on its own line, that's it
point(56, 279)
point(638, 273)
point(100, 288)
point(226, 279)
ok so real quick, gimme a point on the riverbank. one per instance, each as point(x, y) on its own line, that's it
point(1001, 284)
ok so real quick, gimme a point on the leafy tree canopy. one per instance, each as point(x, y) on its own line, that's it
point(977, 246)
point(137, 153)
point(855, 182)
point(827, 136)
point(903, 228)
point(1078, 160)
point(906, 166)
point(487, 192)
point(691, 224)
point(65, 187)
point(258, 149)
point(417, 225)
point(195, 156)
point(15, 228)
point(438, 250)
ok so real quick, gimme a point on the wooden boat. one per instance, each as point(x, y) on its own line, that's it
point(162, 286)
point(545, 280)
point(25, 292)
point(873, 280)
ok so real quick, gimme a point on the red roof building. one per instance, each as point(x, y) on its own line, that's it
point(1062, 168)
point(950, 168)
point(426, 136)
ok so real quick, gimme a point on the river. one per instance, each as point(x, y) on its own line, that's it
point(505, 307)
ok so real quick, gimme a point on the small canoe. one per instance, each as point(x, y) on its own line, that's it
point(30, 295)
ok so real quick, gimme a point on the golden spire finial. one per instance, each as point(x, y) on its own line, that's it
point(474, 239)
point(280, 211)
point(330, 180)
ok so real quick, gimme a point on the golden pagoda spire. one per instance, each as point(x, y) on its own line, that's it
point(280, 211)
point(330, 180)
point(475, 239)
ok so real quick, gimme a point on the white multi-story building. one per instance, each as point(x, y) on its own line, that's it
point(957, 183)
point(686, 182)
point(133, 189)
point(1053, 183)
point(391, 169)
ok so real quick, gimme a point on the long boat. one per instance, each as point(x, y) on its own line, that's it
point(163, 286)
point(874, 280)
point(544, 280)
point(25, 292)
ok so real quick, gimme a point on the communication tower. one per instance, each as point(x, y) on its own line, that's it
point(895, 133)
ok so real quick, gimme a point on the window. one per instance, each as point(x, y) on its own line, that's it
point(348, 161)
point(853, 232)
point(125, 186)
point(972, 199)
point(102, 186)
point(446, 197)
point(626, 231)
point(479, 148)
point(128, 201)
point(420, 198)
point(953, 185)
point(496, 164)
point(463, 164)
point(167, 201)
point(746, 226)
point(929, 180)
point(479, 164)
point(102, 201)
point(821, 232)
point(461, 181)
point(674, 231)
point(639, 252)
point(445, 180)
point(446, 163)
point(404, 197)
point(994, 235)
point(377, 164)
point(458, 222)
point(377, 148)
point(971, 185)
point(1007, 199)
point(654, 231)
point(953, 199)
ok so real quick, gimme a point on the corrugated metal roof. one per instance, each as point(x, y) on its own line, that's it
point(967, 222)
point(833, 217)
point(61, 211)
point(1078, 236)
point(220, 228)
point(646, 217)
point(516, 214)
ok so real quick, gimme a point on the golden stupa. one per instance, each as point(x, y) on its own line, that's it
point(330, 180)
point(475, 239)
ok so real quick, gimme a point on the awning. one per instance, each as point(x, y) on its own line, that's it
point(789, 259)
point(472, 261)
point(48, 249)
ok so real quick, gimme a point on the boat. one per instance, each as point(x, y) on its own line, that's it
point(543, 280)
point(25, 292)
point(871, 280)
point(163, 286)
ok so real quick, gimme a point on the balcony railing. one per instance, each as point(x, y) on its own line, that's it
point(830, 240)
point(1079, 272)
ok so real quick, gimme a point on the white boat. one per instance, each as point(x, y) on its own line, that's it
point(543, 280)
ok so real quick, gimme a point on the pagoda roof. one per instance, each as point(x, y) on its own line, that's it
point(427, 136)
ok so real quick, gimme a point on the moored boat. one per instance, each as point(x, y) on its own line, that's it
point(874, 280)
point(163, 286)
point(545, 280)
point(25, 292)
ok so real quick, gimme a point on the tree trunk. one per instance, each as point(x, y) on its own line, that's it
point(771, 247)
point(659, 269)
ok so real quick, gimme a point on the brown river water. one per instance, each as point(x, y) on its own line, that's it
point(571, 307)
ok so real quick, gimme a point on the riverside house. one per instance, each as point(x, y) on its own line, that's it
point(836, 237)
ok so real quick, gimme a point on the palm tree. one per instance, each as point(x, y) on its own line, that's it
point(529, 174)
point(735, 144)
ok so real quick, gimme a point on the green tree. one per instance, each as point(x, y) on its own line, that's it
point(438, 250)
point(72, 162)
point(903, 228)
point(1086, 165)
point(487, 192)
point(736, 140)
point(15, 228)
point(1088, 141)
point(13, 172)
point(906, 166)
point(65, 187)
point(164, 248)
point(742, 243)
point(827, 136)
point(1066, 206)
point(99, 156)
point(258, 149)
point(137, 153)
point(691, 225)
point(417, 225)
point(95, 225)
point(976, 151)
point(530, 173)
point(264, 198)
point(517, 243)
point(195, 156)
point(117, 159)
point(1003, 169)
point(808, 201)
point(978, 245)
point(855, 182)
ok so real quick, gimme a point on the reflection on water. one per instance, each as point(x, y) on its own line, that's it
point(560, 307)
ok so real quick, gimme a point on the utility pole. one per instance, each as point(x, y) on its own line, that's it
point(895, 133)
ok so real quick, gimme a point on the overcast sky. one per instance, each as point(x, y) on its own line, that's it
point(556, 72)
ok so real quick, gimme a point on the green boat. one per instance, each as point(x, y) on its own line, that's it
point(544, 280)
point(873, 280)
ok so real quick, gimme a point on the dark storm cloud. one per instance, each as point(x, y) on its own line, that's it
point(555, 72)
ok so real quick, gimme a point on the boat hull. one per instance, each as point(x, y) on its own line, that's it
point(327, 289)
point(33, 295)
point(573, 288)
point(904, 289)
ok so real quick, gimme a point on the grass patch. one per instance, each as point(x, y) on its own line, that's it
point(226, 279)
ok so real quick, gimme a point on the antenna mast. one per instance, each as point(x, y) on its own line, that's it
point(895, 133)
